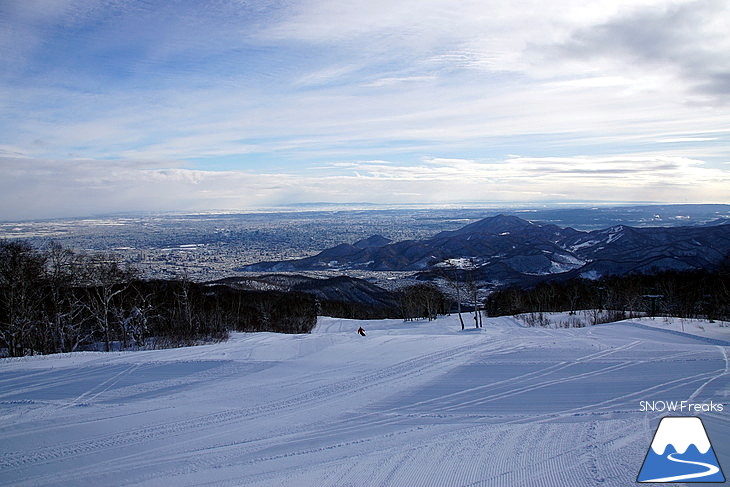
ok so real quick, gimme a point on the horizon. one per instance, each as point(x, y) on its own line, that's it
point(493, 209)
point(189, 106)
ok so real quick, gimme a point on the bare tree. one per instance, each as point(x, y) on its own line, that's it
point(421, 301)
point(106, 279)
point(473, 288)
point(452, 274)
point(66, 307)
point(134, 317)
point(21, 295)
point(185, 314)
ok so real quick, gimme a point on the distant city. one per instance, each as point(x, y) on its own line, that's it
point(204, 247)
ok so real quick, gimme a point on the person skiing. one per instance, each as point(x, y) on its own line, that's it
point(361, 331)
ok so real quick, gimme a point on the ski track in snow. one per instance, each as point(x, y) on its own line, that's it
point(411, 404)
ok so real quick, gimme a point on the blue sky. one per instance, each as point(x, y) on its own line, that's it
point(233, 104)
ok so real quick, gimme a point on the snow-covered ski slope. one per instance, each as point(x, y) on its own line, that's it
point(410, 404)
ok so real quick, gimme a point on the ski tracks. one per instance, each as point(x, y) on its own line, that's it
point(360, 445)
point(184, 429)
point(722, 373)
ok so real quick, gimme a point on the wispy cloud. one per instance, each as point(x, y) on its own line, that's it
point(433, 90)
point(688, 39)
point(59, 188)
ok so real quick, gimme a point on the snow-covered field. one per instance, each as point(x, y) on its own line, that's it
point(710, 330)
point(410, 404)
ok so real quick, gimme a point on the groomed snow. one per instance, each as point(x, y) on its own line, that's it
point(410, 404)
point(719, 330)
point(712, 331)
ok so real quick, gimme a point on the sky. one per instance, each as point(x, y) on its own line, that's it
point(122, 106)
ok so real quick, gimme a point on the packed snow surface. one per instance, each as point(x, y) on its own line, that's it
point(410, 404)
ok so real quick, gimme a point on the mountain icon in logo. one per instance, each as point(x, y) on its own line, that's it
point(680, 452)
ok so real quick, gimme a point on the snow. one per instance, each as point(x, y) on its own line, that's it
point(719, 330)
point(712, 331)
point(557, 267)
point(615, 233)
point(463, 263)
point(410, 404)
point(588, 243)
point(591, 275)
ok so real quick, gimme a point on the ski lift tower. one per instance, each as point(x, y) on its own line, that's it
point(654, 298)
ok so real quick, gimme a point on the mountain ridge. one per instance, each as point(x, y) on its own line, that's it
point(510, 249)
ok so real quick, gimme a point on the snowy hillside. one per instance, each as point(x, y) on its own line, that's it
point(410, 404)
point(509, 249)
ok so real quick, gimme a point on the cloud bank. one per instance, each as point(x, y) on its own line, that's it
point(182, 105)
point(83, 187)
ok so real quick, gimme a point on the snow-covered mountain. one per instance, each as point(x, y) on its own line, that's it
point(511, 249)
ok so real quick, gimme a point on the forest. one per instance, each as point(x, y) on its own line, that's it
point(684, 294)
point(55, 300)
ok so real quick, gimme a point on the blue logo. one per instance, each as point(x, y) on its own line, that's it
point(680, 452)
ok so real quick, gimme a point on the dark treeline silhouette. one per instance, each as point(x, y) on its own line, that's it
point(684, 294)
point(54, 300)
point(354, 310)
point(418, 301)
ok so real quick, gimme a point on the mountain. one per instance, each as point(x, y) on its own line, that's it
point(622, 249)
point(513, 250)
point(372, 242)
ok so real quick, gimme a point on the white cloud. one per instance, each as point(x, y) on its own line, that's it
point(35, 188)
point(672, 140)
point(688, 40)
point(427, 97)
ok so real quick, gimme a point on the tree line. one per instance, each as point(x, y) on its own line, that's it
point(56, 300)
point(409, 303)
point(685, 294)
point(422, 301)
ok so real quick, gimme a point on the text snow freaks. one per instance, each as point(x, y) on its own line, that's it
point(681, 406)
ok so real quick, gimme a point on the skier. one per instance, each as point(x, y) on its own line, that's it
point(361, 331)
